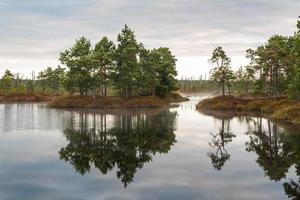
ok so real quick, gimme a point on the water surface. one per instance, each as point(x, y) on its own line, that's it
point(175, 153)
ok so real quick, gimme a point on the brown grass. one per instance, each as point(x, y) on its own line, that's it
point(281, 109)
point(13, 98)
point(115, 102)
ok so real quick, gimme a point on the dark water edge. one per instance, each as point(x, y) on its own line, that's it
point(173, 153)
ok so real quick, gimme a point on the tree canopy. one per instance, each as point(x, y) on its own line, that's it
point(273, 70)
point(127, 67)
point(222, 72)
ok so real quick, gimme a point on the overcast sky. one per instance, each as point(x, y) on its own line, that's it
point(33, 32)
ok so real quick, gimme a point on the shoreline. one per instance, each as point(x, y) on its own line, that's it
point(113, 102)
point(26, 98)
point(280, 110)
point(88, 102)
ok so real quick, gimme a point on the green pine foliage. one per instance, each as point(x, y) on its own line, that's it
point(294, 87)
point(128, 68)
point(6, 82)
point(51, 79)
point(222, 72)
point(273, 70)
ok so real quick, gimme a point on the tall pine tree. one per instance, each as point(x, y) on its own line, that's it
point(127, 69)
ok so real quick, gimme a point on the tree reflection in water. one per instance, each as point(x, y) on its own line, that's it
point(277, 149)
point(274, 151)
point(131, 141)
point(220, 155)
point(292, 187)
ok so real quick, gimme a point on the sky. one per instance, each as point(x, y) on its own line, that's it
point(34, 32)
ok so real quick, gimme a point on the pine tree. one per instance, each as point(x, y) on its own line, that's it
point(79, 60)
point(127, 68)
point(7, 81)
point(221, 73)
point(294, 87)
point(103, 54)
point(166, 71)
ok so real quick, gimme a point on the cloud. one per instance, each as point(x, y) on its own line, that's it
point(34, 31)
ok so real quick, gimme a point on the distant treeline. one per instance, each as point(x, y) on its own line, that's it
point(191, 85)
point(127, 69)
point(15, 84)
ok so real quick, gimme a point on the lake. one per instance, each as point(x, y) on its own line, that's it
point(175, 153)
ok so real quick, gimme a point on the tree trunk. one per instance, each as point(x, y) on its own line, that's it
point(128, 91)
point(94, 84)
point(223, 89)
point(276, 83)
point(80, 90)
point(270, 93)
point(228, 87)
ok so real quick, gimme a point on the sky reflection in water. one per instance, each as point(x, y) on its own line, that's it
point(173, 153)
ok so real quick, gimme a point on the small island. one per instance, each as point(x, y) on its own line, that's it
point(111, 102)
point(106, 75)
point(269, 86)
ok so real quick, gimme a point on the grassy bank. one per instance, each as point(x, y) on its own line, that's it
point(115, 102)
point(15, 98)
point(281, 109)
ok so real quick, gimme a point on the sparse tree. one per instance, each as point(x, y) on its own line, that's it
point(222, 72)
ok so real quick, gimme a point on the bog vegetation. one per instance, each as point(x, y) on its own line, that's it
point(274, 69)
point(269, 85)
point(191, 85)
point(126, 69)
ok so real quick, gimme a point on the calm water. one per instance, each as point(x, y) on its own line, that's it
point(171, 154)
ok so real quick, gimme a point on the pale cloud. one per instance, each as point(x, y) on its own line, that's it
point(33, 32)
